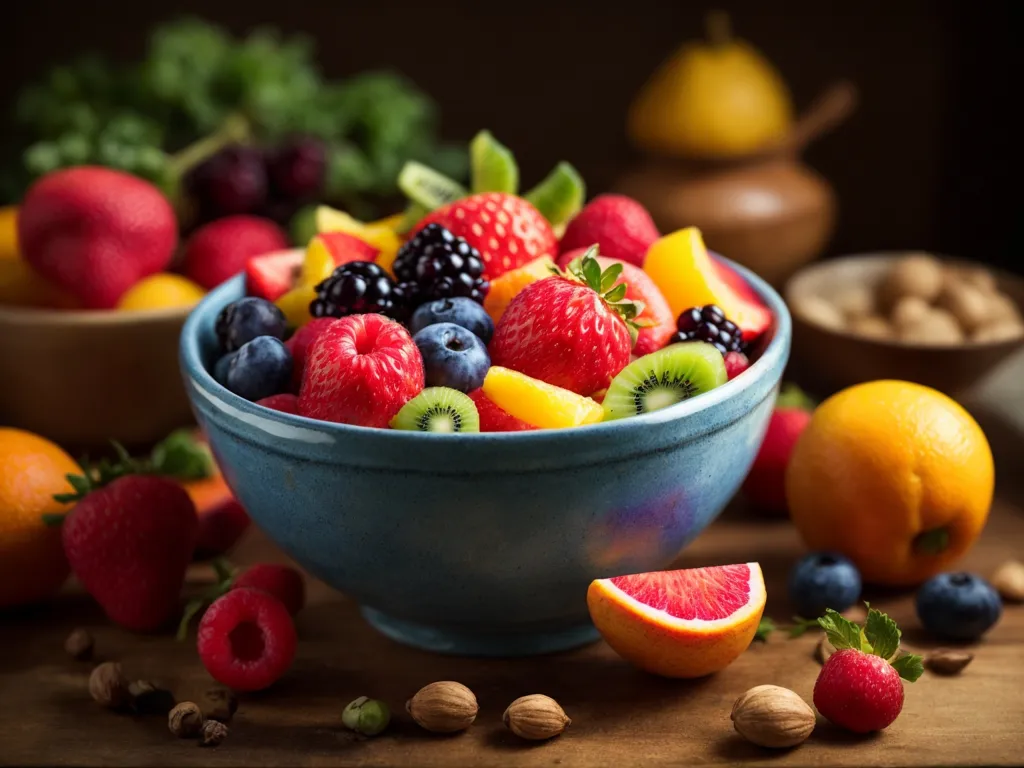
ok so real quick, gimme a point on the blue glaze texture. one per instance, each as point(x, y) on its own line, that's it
point(485, 543)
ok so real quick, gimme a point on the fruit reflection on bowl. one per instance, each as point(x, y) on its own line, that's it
point(483, 543)
point(942, 322)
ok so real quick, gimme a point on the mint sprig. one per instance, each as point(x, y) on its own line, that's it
point(880, 636)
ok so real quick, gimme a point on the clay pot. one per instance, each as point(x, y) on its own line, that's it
point(770, 211)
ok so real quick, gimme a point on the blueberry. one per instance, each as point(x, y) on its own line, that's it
point(261, 368)
point(958, 606)
point(220, 368)
point(246, 319)
point(823, 580)
point(452, 356)
point(459, 310)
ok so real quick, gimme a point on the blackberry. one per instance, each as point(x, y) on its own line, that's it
point(357, 288)
point(711, 325)
point(440, 265)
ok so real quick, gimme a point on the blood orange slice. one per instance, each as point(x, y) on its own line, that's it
point(685, 623)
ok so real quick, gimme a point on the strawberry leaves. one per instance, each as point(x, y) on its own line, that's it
point(225, 578)
point(587, 270)
point(880, 636)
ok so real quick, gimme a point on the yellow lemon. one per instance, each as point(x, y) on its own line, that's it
point(161, 291)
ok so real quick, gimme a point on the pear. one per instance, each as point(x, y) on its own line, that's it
point(714, 99)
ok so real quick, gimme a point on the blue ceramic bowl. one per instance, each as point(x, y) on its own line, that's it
point(483, 544)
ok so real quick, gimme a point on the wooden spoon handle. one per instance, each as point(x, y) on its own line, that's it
point(829, 110)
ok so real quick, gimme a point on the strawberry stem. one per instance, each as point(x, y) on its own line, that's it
point(225, 578)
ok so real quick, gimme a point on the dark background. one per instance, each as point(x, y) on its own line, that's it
point(925, 163)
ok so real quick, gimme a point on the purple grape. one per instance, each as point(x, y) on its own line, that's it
point(232, 181)
point(297, 169)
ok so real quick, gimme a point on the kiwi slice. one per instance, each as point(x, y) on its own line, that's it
point(663, 378)
point(428, 187)
point(493, 165)
point(560, 195)
point(438, 409)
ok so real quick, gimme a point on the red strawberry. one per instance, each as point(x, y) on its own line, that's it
point(273, 275)
point(494, 418)
point(285, 403)
point(506, 229)
point(360, 370)
point(572, 331)
point(221, 249)
point(129, 543)
point(619, 225)
point(282, 581)
point(246, 640)
point(859, 688)
point(735, 364)
point(95, 232)
point(299, 343)
point(220, 529)
point(765, 485)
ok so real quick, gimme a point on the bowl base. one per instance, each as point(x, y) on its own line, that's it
point(460, 642)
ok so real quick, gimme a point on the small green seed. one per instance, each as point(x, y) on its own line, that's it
point(366, 716)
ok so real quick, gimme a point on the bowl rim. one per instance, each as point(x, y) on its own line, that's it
point(774, 356)
point(887, 256)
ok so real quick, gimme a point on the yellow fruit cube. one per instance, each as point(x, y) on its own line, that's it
point(161, 291)
point(380, 234)
point(318, 263)
point(295, 305)
point(538, 403)
point(505, 288)
point(9, 232)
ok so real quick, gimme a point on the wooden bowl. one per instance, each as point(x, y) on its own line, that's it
point(85, 378)
point(825, 360)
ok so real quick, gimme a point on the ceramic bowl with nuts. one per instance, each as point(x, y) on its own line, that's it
point(915, 316)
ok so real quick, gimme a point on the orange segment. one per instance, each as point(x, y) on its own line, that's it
point(506, 287)
point(295, 305)
point(538, 403)
point(685, 623)
point(380, 234)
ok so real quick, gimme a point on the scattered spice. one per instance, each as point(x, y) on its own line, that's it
point(219, 704)
point(443, 707)
point(1009, 581)
point(366, 716)
point(212, 733)
point(108, 686)
point(771, 716)
point(945, 661)
point(79, 644)
point(536, 717)
point(150, 699)
point(186, 720)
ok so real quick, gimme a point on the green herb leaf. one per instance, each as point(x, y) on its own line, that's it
point(183, 457)
point(882, 633)
point(764, 628)
point(609, 276)
point(909, 666)
point(842, 632)
point(801, 625)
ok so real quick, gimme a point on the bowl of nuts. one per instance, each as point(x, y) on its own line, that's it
point(938, 321)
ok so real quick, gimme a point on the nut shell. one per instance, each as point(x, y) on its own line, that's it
point(967, 304)
point(536, 717)
point(937, 328)
point(772, 716)
point(1000, 330)
point(1009, 581)
point(186, 720)
point(918, 275)
point(79, 644)
point(909, 311)
point(109, 687)
point(818, 311)
point(855, 301)
point(945, 661)
point(872, 326)
point(443, 707)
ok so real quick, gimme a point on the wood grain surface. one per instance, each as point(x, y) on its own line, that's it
point(621, 717)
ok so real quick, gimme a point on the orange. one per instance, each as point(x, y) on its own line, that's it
point(506, 287)
point(32, 470)
point(161, 291)
point(686, 623)
point(538, 403)
point(9, 232)
point(896, 476)
point(20, 286)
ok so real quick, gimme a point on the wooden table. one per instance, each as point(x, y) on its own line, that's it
point(620, 716)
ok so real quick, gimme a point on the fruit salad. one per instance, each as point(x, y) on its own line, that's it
point(481, 309)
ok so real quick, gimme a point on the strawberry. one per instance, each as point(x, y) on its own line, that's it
point(619, 225)
point(272, 275)
point(656, 321)
point(129, 539)
point(573, 330)
point(765, 484)
point(494, 418)
point(506, 230)
point(95, 232)
point(221, 249)
point(859, 686)
point(360, 370)
point(298, 344)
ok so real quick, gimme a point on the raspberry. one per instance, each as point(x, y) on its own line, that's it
point(246, 640)
point(282, 581)
point(735, 364)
